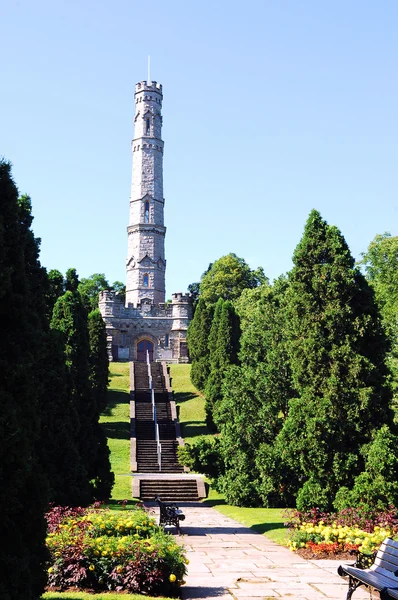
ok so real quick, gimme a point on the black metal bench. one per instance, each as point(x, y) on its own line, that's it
point(382, 575)
point(170, 514)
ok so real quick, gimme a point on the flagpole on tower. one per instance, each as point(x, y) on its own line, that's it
point(149, 68)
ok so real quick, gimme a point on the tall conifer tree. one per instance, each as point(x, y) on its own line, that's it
point(70, 318)
point(337, 355)
point(23, 488)
point(223, 351)
point(198, 334)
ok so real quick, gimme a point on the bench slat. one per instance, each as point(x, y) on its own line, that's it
point(385, 564)
point(390, 551)
point(376, 580)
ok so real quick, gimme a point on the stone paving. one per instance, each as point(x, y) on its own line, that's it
point(229, 561)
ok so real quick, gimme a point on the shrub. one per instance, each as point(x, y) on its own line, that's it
point(312, 494)
point(102, 550)
point(203, 456)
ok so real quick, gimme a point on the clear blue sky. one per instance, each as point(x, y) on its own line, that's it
point(271, 108)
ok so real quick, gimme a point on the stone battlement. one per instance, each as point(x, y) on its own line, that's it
point(144, 86)
point(179, 297)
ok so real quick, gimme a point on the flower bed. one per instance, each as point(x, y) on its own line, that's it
point(97, 549)
point(329, 534)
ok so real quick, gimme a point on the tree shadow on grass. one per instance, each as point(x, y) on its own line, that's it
point(194, 428)
point(184, 396)
point(115, 397)
point(264, 527)
point(117, 430)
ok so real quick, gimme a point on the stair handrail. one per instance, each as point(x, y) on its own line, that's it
point(159, 446)
point(154, 415)
point(148, 365)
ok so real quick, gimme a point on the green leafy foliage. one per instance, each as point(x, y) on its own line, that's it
point(376, 486)
point(202, 456)
point(227, 277)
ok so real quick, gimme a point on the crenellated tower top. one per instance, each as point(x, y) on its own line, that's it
point(152, 86)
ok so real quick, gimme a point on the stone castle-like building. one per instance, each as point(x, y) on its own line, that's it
point(144, 323)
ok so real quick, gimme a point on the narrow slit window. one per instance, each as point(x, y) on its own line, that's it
point(146, 280)
point(166, 340)
point(146, 215)
point(148, 127)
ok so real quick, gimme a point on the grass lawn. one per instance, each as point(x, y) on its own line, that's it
point(190, 403)
point(88, 596)
point(116, 422)
point(193, 424)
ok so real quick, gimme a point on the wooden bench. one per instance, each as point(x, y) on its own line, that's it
point(170, 514)
point(382, 575)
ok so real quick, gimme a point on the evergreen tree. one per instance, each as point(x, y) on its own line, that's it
point(223, 352)
point(99, 362)
point(55, 289)
point(58, 447)
point(70, 318)
point(71, 280)
point(23, 488)
point(337, 352)
point(381, 266)
point(197, 337)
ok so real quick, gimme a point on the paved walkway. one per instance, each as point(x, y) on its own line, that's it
point(228, 561)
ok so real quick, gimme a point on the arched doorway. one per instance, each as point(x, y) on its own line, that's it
point(143, 347)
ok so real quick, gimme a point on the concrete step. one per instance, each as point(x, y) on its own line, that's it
point(169, 489)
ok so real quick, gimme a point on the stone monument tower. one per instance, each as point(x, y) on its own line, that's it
point(145, 261)
point(142, 322)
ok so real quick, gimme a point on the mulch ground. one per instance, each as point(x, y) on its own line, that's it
point(309, 555)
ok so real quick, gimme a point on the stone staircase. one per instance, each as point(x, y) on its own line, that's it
point(146, 447)
point(170, 483)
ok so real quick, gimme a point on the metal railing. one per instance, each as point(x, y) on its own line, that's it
point(154, 415)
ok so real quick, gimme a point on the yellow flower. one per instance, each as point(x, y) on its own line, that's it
point(187, 561)
point(50, 570)
point(91, 568)
point(172, 578)
point(119, 569)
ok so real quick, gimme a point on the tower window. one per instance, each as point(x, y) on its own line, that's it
point(124, 338)
point(148, 127)
point(146, 280)
point(166, 340)
point(146, 215)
